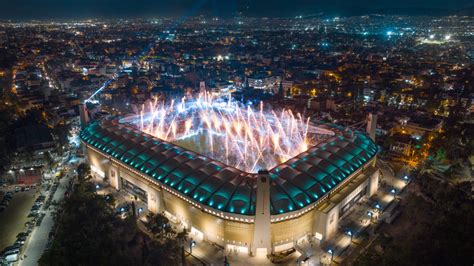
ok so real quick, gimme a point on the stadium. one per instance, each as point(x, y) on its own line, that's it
point(245, 178)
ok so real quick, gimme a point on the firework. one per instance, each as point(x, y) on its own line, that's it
point(246, 138)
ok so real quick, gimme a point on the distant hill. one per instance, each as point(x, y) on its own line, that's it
point(426, 11)
point(417, 11)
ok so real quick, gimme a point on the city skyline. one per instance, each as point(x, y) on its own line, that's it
point(87, 9)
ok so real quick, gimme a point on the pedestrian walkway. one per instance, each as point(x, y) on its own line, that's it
point(40, 234)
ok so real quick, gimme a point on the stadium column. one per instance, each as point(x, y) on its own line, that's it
point(115, 177)
point(373, 183)
point(371, 125)
point(262, 232)
point(83, 114)
point(154, 199)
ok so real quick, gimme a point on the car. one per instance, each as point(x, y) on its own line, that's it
point(17, 189)
point(11, 258)
point(11, 252)
point(32, 214)
point(22, 234)
point(40, 220)
point(9, 248)
point(22, 240)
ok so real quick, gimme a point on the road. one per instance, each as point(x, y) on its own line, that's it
point(39, 237)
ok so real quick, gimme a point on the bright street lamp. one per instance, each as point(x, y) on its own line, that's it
point(192, 243)
point(330, 251)
point(349, 233)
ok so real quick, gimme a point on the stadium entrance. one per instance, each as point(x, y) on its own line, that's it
point(134, 190)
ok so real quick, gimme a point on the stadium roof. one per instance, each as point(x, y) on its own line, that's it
point(296, 183)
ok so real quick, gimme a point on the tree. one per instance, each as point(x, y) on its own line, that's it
point(83, 171)
point(159, 225)
point(89, 233)
point(441, 230)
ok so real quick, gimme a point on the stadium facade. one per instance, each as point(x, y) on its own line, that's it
point(261, 212)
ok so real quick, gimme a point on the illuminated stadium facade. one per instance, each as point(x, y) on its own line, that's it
point(229, 203)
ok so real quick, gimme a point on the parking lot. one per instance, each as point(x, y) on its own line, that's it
point(23, 209)
point(15, 215)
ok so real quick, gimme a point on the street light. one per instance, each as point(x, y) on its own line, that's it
point(349, 233)
point(330, 251)
point(192, 243)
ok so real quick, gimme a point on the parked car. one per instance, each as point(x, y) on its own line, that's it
point(11, 252)
point(11, 258)
point(40, 219)
point(10, 248)
point(21, 240)
point(22, 234)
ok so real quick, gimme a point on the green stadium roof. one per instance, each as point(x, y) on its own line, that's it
point(296, 183)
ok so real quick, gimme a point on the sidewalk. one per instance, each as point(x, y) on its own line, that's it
point(40, 235)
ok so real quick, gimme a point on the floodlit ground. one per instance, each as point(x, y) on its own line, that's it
point(13, 219)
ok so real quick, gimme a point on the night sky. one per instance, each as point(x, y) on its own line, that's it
point(63, 9)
